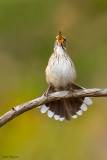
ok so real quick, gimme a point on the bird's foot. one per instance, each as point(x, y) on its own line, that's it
point(49, 90)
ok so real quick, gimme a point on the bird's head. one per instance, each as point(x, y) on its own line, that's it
point(60, 40)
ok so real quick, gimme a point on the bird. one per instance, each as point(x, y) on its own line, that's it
point(60, 75)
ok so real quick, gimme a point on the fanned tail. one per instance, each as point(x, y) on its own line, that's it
point(66, 108)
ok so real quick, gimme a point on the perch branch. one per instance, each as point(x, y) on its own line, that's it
point(15, 111)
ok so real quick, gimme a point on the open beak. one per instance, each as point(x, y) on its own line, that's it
point(60, 38)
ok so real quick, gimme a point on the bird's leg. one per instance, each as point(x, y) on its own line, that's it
point(73, 87)
point(49, 90)
point(70, 88)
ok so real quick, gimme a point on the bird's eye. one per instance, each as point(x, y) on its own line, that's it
point(64, 39)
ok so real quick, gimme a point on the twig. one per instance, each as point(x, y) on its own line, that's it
point(15, 111)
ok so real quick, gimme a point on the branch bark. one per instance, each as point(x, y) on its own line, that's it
point(15, 111)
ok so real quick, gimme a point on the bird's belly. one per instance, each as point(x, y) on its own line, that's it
point(61, 74)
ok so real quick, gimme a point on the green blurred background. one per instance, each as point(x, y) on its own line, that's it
point(27, 33)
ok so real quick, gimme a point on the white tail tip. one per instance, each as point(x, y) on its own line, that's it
point(50, 113)
point(79, 112)
point(88, 101)
point(83, 107)
point(44, 109)
point(56, 117)
point(74, 116)
point(61, 118)
point(39, 107)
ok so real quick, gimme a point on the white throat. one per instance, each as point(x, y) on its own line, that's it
point(59, 50)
